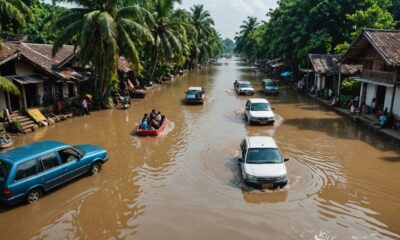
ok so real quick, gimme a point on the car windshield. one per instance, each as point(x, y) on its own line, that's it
point(192, 92)
point(271, 84)
point(263, 156)
point(80, 151)
point(245, 85)
point(260, 107)
point(4, 171)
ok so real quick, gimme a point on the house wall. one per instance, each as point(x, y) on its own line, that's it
point(371, 92)
point(396, 105)
point(23, 69)
point(40, 88)
point(388, 100)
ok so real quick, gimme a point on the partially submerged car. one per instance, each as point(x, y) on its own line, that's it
point(27, 172)
point(244, 88)
point(194, 95)
point(270, 87)
point(258, 110)
point(261, 163)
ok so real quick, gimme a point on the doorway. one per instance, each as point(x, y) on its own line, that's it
point(31, 95)
point(380, 97)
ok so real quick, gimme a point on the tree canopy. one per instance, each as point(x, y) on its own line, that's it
point(299, 27)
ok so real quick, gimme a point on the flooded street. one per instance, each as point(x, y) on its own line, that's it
point(186, 184)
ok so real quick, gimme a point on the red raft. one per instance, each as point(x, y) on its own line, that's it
point(151, 133)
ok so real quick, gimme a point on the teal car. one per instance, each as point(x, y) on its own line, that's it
point(27, 172)
point(270, 87)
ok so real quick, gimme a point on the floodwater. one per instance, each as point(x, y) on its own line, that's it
point(185, 184)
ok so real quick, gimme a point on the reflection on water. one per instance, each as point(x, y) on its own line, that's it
point(186, 184)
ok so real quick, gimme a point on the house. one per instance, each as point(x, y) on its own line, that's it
point(328, 72)
point(379, 53)
point(40, 77)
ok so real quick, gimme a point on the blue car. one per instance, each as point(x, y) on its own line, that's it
point(27, 172)
point(270, 87)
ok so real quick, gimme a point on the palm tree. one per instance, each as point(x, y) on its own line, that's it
point(168, 33)
point(248, 26)
point(18, 11)
point(104, 30)
point(203, 23)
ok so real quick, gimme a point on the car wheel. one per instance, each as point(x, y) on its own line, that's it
point(34, 195)
point(95, 168)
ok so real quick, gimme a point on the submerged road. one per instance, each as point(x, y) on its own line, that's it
point(185, 184)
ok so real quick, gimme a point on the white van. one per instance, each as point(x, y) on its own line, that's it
point(261, 162)
point(258, 110)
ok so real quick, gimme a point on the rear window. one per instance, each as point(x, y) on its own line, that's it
point(26, 170)
point(4, 171)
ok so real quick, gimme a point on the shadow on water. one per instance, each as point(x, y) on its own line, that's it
point(340, 128)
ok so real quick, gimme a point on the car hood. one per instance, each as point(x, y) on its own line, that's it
point(261, 114)
point(246, 89)
point(266, 170)
point(88, 149)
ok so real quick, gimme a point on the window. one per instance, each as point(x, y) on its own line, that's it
point(68, 155)
point(264, 155)
point(368, 64)
point(260, 107)
point(244, 149)
point(25, 170)
point(48, 162)
point(4, 171)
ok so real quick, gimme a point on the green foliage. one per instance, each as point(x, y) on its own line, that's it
point(299, 27)
point(350, 87)
point(15, 126)
point(7, 86)
point(374, 16)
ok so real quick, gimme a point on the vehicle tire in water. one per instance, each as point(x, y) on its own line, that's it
point(34, 195)
point(95, 168)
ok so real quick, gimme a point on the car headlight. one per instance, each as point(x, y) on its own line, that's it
point(250, 177)
point(282, 178)
point(253, 118)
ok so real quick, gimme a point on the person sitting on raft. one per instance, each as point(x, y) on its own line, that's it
point(159, 117)
point(144, 125)
point(154, 124)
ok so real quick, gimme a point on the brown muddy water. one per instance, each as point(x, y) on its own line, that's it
point(185, 184)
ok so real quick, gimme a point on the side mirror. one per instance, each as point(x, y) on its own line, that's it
point(240, 160)
point(286, 159)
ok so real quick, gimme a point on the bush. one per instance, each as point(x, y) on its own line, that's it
point(16, 127)
point(350, 87)
point(344, 100)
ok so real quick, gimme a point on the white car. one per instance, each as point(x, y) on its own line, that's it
point(244, 88)
point(258, 110)
point(261, 162)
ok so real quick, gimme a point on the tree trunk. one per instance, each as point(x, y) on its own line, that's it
point(152, 67)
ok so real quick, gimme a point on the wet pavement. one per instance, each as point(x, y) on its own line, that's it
point(185, 184)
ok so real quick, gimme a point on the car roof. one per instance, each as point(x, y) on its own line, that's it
point(30, 151)
point(195, 88)
point(267, 80)
point(258, 100)
point(261, 142)
point(245, 82)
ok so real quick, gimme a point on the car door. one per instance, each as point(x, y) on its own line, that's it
point(247, 109)
point(243, 152)
point(50, 170)
point(72, 163)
